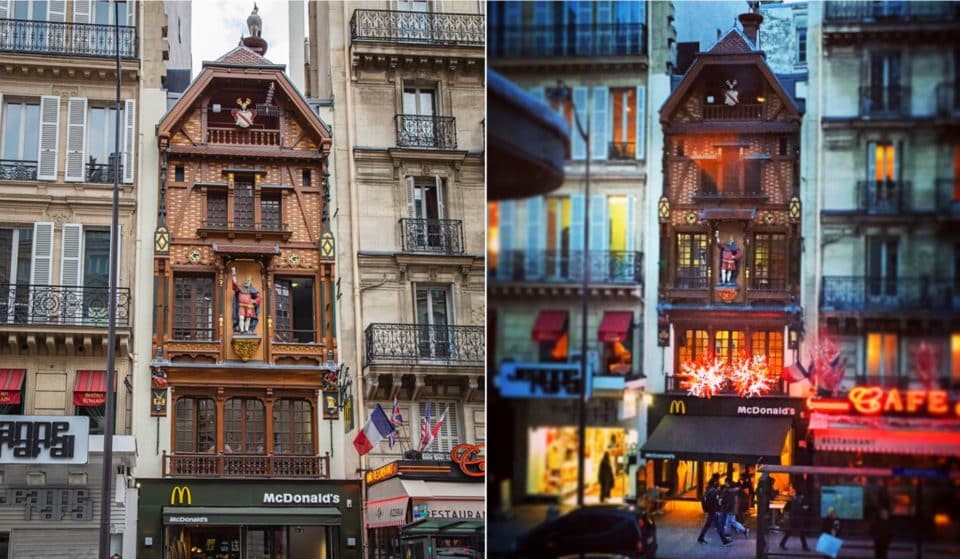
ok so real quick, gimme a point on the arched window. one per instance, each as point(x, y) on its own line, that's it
point(293, 427)
point(243, 426)
point(196, 429)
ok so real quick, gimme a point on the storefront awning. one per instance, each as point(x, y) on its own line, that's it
point(443, 526)
point(718, 439)
point(387, 512)
point(879, 436)
point(11, 385)
point(550, 325)
point(260, 516)
point(615, 326)
point(90, 388)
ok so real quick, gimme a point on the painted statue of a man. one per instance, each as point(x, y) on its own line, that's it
point(246, 305)
point(730, 255)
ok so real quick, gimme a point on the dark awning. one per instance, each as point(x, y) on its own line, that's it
point(550, 325)
point(615, 326)
point(747, 440)
point(259, 516)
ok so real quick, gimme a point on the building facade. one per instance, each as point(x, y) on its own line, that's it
point(408, 82)
point(604, 53)
point(59, 158)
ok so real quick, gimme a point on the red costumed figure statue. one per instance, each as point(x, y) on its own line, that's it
point(730, 255)
point(246, 304)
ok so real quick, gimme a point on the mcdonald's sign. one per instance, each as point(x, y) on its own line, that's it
point(678, 407)
point(180, 494)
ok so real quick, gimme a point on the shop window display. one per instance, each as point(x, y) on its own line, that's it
point(552, 463)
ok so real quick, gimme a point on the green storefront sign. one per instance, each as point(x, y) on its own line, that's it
point(243, 518)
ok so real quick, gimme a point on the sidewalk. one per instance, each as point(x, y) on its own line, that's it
point(677, 531)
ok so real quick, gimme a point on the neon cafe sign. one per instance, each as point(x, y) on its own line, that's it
point(875, 400)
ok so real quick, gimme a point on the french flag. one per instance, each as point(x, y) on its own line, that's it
point(374, 430)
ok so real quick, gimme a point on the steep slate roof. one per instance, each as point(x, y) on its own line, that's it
point(734, 42)
point(244, 56)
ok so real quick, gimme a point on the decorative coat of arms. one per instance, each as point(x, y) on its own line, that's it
point(244, 116)
point(731, 96)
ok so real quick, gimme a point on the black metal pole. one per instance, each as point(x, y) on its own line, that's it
point(584, 301)
point(110, 412)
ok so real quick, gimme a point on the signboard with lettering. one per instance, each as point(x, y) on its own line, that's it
point(540, 380)
point(49, 503)
point(382, 473)
point(463, 510)
point(876, 400)
point(767, 406)
point(40, 439)
point(387, 512)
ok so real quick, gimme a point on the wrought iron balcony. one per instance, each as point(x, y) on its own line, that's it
point(889, 101)
point(425, 343)
point(622, 150)
point(861, 293)
point(555, 41)
point(102, 172)
point(674, 385)
point(878, 12)
point(740, 111)
point(61, 305)
point(72, 39)
point(948, 99)
point(437, 132)
point(439, 236)
point(245, 465)
point(883, 197)
point(948, 196)
point(417, 28)
point(11, 170)
point(549, 266)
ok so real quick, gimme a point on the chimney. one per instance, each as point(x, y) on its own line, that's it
point(751, 22)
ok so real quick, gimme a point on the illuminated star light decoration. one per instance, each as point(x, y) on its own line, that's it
point(703, 380)
point(751, 377)
point(748, 377)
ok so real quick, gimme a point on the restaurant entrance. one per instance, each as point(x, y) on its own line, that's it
point(250, 542)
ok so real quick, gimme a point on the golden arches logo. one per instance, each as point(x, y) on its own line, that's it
point(678, 407)
point(179, 494)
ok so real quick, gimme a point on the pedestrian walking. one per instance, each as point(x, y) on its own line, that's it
point(746, 495)
point(729, 505)
point(711, 506)
point(606, 477)
point(831, 524)
point(880, 530)
point(797, 511)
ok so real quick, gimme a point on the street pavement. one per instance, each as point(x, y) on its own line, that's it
point(677, 530)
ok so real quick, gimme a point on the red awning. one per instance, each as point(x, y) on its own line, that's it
point(615, 326)
point(11, 385)
point(91, 388)
point(888, 441)
point(550, 325)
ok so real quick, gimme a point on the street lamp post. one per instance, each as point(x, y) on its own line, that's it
point(561, 93)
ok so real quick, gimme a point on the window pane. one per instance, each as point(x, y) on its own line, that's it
point(217, 209)
point(193, 308)
point(31, 131)
point(270, 212)
point(96, 129)
point(284, 327)
point(11, 131)
point(206, 425)
point(185, 426)
point(243, 203)
point(691, 260)
point(96, 258)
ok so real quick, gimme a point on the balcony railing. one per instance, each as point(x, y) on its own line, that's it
point(417, 28)
point(948, 196)
point(948, 99)
point(193, 334)
point(291, 336)
point(61, 305)
point(567, 267)
point(861, 293)
point(556, 41)
point(888, 101)
point(884, 197)
point(870, 12)
point(245, 465)
point(11, 170)
point(73, 39)
point(709, 192)
point(437, 132)
point(440, 236)
point(261, 227)
point(240, 137)
point(741, 111)
point(674, 385)
point(622, 150)
point(418, 343)
point(102, 172)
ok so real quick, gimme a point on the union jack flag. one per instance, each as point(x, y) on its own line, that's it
point(396, 418)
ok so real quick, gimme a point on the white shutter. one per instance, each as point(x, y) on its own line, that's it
point(440, 209)
point(42, 257)
point(4, 14)
point(71, 255)
point(631, 223)
point(577, 206)
point(131, 13)
point(49, 138)
point(82, 11)
point(76, 139)
point(129, 140)
point(533, 257)
point(507, 224)
point(599, 226)
point(57, 11)
point(411, 200)
point(580, 100)
point(2, 108)
point(641, 121)
point(449, 434)
point(601, 123)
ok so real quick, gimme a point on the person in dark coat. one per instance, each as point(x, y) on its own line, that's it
point(831, 524)
point(711, 506)
point(729, 505)
point(880, 530)
point(606, 477)
point(747, 492)
point(797, 511)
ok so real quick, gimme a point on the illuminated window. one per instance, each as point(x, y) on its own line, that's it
point(955, 356)
point(728, 345)
point(694, 346)
point(884, 162)
point(559, 218)
point(493, 234)
point(624, 126)
point(882, 355)
point(769, 261)
point(771, 345)
point(692, 260)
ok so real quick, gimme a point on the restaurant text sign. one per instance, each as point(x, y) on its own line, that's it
point(875, 400)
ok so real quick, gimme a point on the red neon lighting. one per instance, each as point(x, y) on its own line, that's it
point(873, 400)
point(828, 405)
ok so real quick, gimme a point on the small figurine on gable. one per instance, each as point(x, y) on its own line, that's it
point(730, 255)
point(246, 305)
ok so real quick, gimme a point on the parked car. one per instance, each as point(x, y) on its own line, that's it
point(619, 530)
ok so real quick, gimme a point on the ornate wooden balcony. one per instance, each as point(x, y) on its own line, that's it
point(418, 28)
point(200, 465)
point(548, 266)
point(741, 111)
point(551, 41)
point(231, 229)
point(436, 236)
point(866, 294)
point(11, 170)
point(234, 136)
point(61, 305)
point(424, 343)
point(435, 132)
point(71, 39)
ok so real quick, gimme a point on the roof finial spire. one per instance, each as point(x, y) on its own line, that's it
point(255, 41)
point(254, 23)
